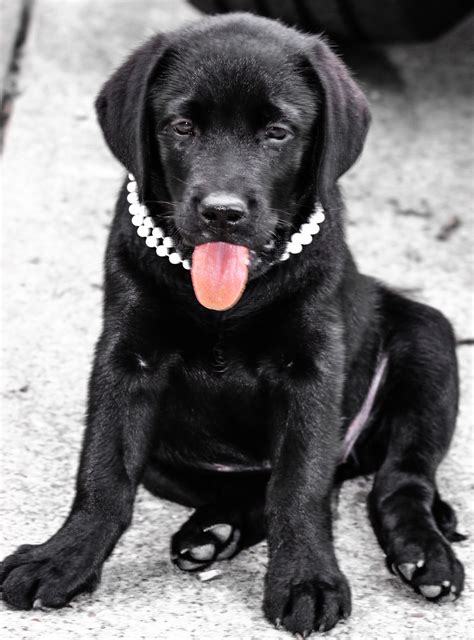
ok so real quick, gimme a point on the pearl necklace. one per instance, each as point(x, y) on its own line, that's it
point(164, 245)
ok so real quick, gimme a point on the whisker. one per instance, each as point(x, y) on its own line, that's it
point(284, 223)
point(278, 210)
point(274, 235)
point(172, 204)
point(178, 179)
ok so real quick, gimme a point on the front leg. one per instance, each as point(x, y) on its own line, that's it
point(120, 422)
point(304, 587)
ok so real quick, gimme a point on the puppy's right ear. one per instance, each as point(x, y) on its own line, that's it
point(121, 108)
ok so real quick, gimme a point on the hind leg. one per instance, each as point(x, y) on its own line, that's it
point(419, 409)
point(228, 516)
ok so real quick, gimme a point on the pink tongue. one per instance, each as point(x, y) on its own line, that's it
point(219, 274)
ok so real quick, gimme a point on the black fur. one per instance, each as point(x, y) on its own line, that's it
point(271, 385)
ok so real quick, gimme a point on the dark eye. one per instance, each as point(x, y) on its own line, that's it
point(276, 132)
point(183, 127)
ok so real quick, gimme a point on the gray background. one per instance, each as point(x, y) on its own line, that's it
point(59, 185)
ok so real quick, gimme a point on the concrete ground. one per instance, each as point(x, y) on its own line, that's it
point(410, 223)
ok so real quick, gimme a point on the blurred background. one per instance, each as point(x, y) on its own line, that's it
point(409, 199)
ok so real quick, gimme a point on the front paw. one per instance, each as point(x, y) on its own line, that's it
point(303, 599)
point(46, 575)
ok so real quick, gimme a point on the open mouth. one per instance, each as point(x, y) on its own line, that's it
point(219, 274)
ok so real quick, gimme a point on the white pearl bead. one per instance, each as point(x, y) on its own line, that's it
point(312, 228)
point(135, 208)
point(132, 197)
point(296, 238)
point(157, 232)
point(151, 241)
point(130, 177)
point(294, 247)
point(285, 256)
point(306, 238)
point(132, 186)
point(168, 242)
point(161, 251)
point(143, 231)
point(318, 216)
point(137, 220)
point(148, 222)
point(174, 258)
point(186, 265)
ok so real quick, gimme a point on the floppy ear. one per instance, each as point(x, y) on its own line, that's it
point(345, 115)
point(121, 108)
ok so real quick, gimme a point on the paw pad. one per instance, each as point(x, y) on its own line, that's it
point(196, 547)
point(231, 547)
point(407, 569)
point(221, 531)
point(430, 590)
point(202, 552)
point(437, 574)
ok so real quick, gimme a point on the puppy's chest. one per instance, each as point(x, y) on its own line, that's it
point(220, 369)
point(218, 373)
point(215, 408)
point(217, 405)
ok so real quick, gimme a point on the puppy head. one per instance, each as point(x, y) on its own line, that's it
point(233, 127)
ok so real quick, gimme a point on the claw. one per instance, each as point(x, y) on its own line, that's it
point(430, 590)
point(38, 604)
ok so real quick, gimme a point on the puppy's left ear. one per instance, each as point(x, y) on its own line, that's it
point(345, 118)
point(121, 108)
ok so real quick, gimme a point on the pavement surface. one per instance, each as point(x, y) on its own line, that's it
point(10, 19)
point(410, 223)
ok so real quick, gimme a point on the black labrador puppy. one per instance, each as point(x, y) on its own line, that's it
point(246, 367)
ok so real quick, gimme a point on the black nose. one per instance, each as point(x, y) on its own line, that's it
point(222, 209)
